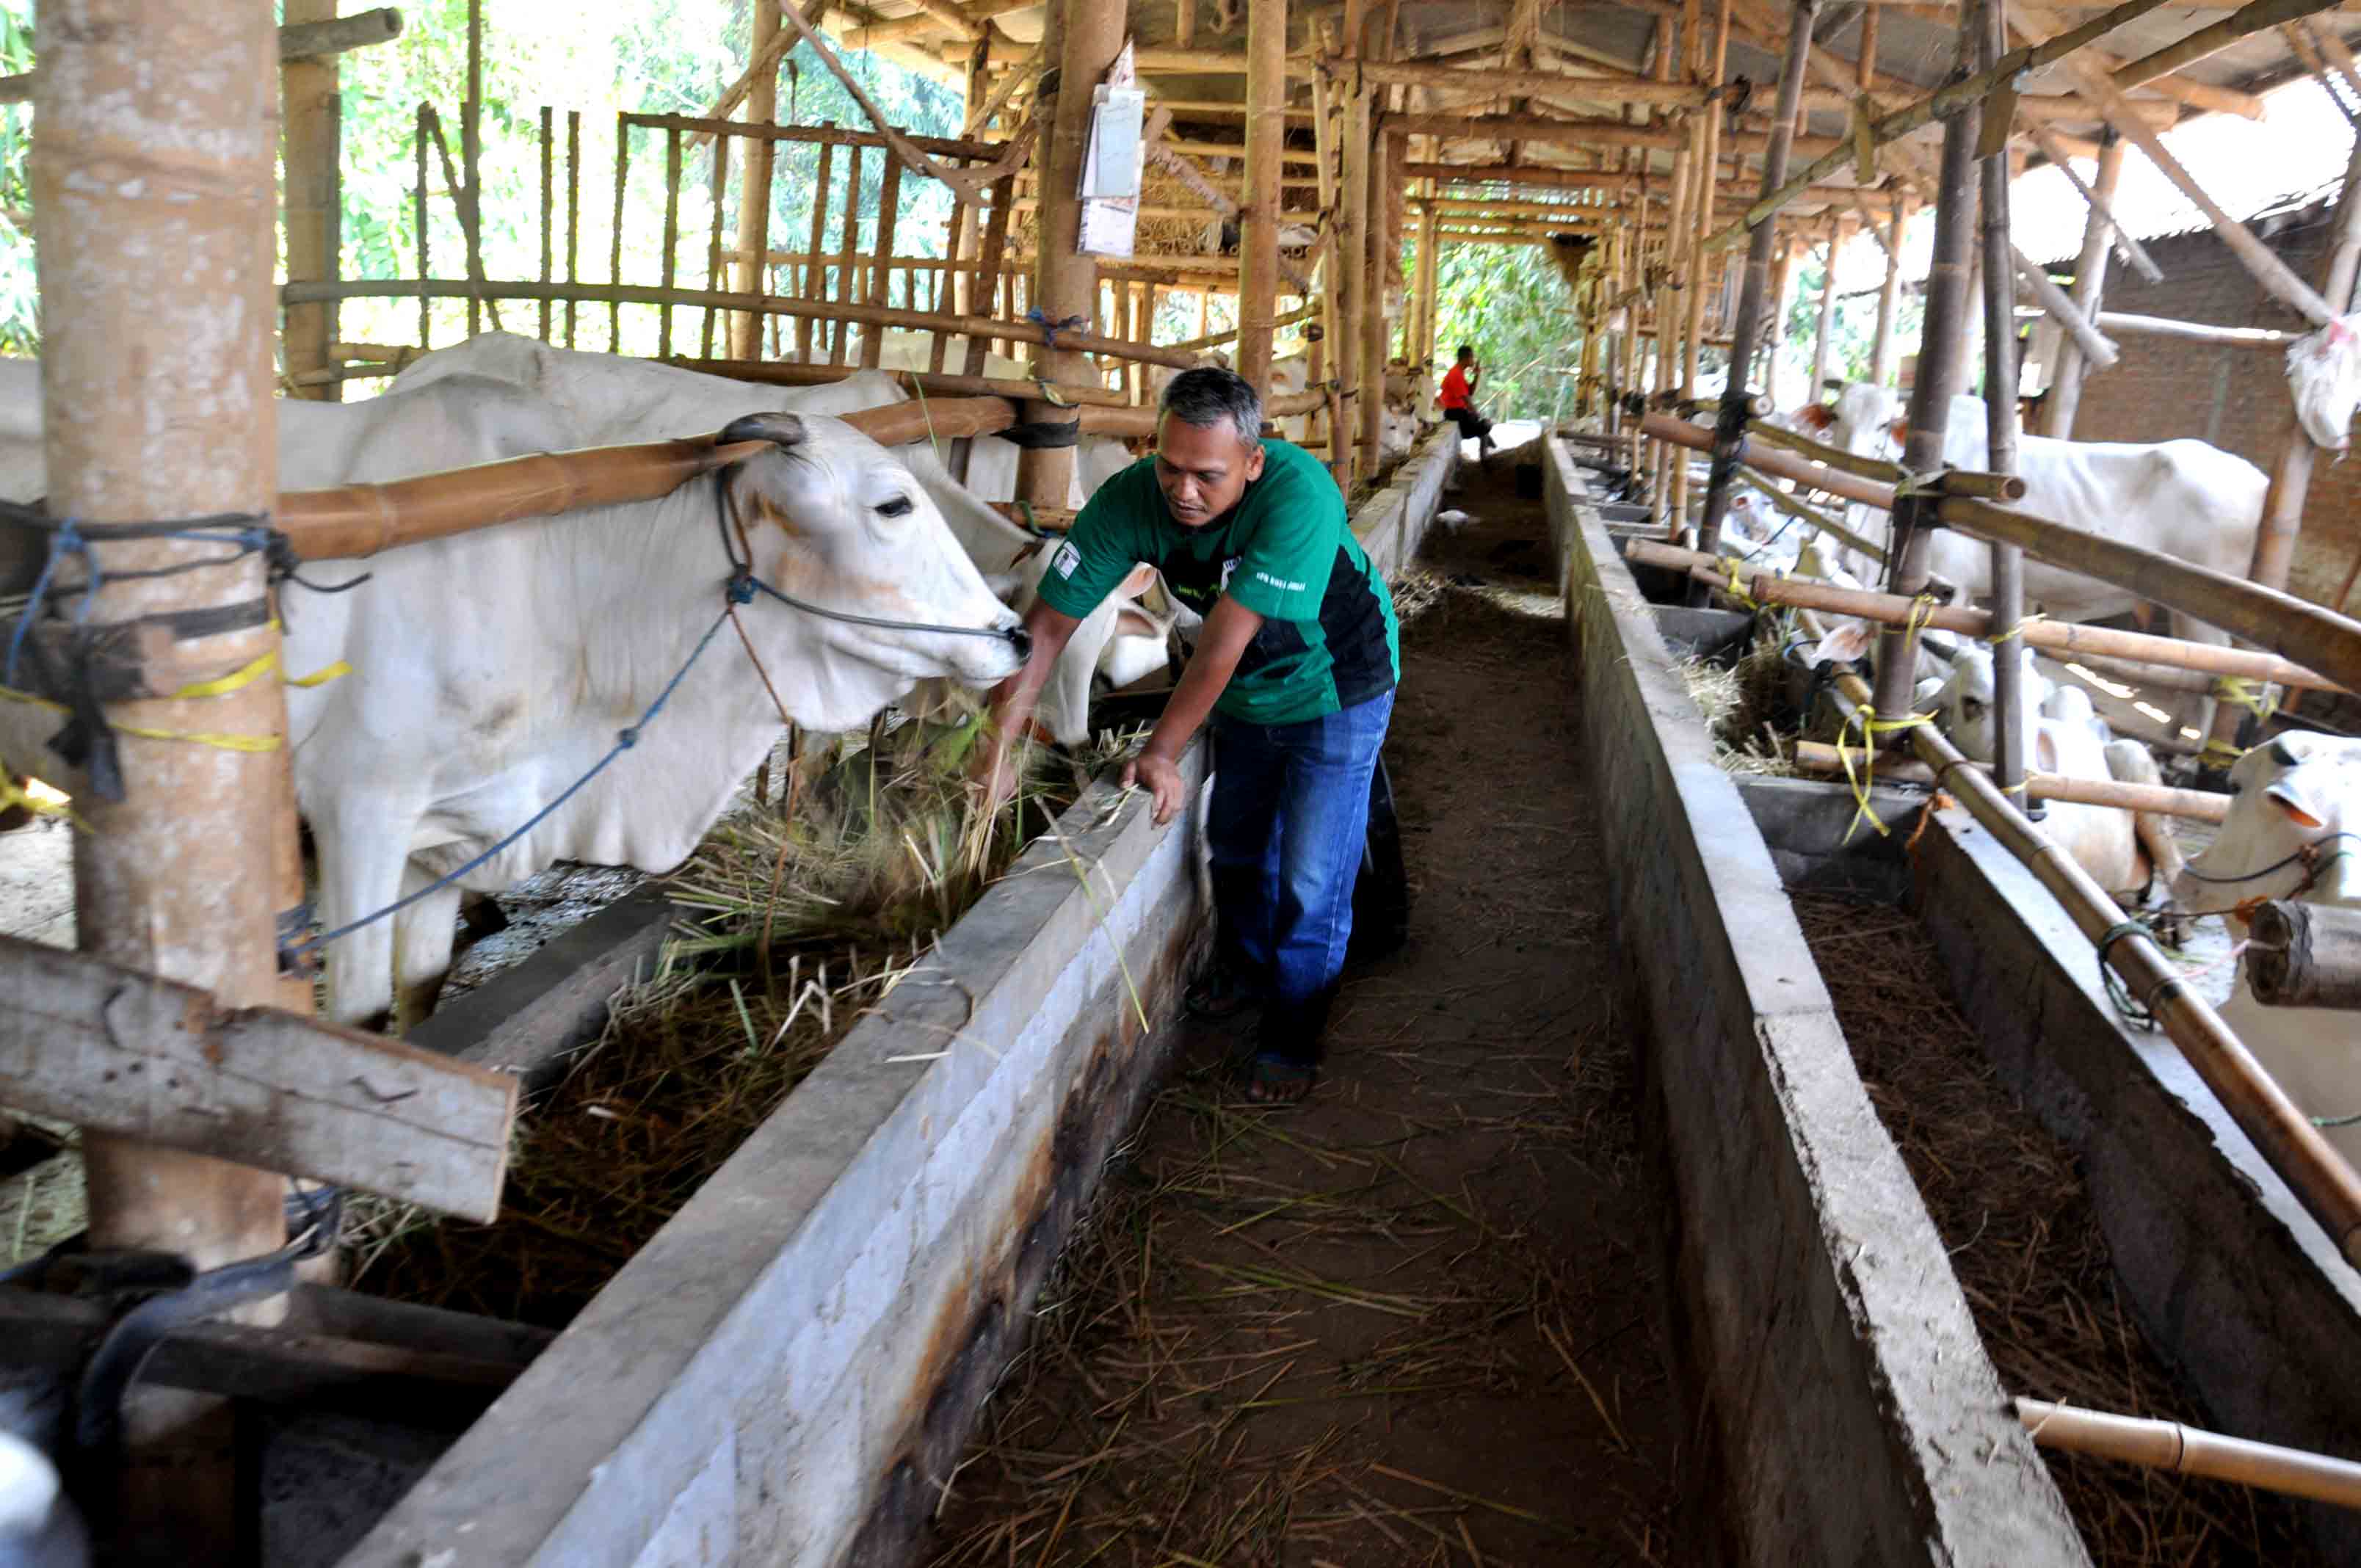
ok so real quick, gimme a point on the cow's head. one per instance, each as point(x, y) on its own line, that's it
point(1965, 707)
point(2289, 801)
point(828, 516)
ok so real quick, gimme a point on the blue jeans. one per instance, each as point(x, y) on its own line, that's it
point(1289, 820)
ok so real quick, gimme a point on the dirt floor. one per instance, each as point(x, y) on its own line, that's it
point(1418, 1320)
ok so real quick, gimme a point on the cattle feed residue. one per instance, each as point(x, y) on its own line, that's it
point(880, 855)
point(2025, 1245)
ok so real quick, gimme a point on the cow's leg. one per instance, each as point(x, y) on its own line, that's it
point(423, 936)
point(361, 872)
point(2128, 762)
point(2192, 710)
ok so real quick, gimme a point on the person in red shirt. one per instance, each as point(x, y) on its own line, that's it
point(1457, 399)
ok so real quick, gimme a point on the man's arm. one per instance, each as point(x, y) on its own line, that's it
point(1228, 629)
point(1010, 711)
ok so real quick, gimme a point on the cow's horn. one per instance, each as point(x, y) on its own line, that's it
point(779, 429)
point(2284, 752)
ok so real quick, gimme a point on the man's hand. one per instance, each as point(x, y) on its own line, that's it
point(1160, 775)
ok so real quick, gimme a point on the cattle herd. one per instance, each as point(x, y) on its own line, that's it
point(490, 671)
point(2284, 836)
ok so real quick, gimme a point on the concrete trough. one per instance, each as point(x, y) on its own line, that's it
point(1853, 1413)
point(790, 1368)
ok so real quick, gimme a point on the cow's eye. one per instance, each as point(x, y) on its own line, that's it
point(898, 506)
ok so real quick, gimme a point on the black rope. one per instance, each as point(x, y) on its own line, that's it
point(2139, 1014)
point(1040, 435)
point(2304, 855)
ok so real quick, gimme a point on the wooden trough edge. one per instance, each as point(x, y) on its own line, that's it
point(1856, 1414)
point(789, 1369)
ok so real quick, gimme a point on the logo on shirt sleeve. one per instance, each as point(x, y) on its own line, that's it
point(1066, 559)
point(1229, 567)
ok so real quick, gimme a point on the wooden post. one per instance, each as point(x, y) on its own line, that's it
point(1783, 303)
point(1753, 291)
point(1064, 282)
point(1419, 349)
point(754, 194)
point(615, 237)
point(1700, 226)
point(1942, 370)
point(314, 199)
point(988, 277)
point(549, 209)
point(671, 268)
point(1822, 339)
point(946, 288)
point(881, 276)
point(813, 275)
point(1889, 297)
point(573, 214)
point(1340, 274)
point(2090, 289)
point(158, 405)
point(838, 341)
point(714, 263)
point(471, 160)
point(1259, 203)
point(2009, 760)
point(1352, 262)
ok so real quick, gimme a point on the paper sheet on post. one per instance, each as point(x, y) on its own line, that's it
point(1111, 163)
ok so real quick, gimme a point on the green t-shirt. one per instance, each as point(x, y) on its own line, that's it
point(1329, 639)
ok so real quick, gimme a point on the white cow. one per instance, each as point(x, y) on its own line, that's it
point(2184, 497)
point(39, 1527)
point(491, 669)
point(615, 400)
point(2294, 801)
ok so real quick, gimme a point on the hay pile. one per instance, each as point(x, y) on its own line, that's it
point(2029, 1254)
point(885, 849)
point(1740, 703)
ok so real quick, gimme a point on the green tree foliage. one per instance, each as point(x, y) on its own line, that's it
point(21, 308)
point(1510, 303)
point(1852, 331)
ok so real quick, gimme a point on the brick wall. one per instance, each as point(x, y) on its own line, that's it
point(2236, 398)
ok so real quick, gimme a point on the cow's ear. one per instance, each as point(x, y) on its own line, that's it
point(1141, 579)
point(1132, 621)
point(1818, 416)
point(2291, 799)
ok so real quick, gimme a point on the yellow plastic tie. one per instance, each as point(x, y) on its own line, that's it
point(1737, 592)
point(2018, 630)
point(1872, 728)
point(322, 676)
point(11, 793)
point(2232, 688)
point(2215, 747)
point(219, 740)
point(243, 675)
point(1922, 611)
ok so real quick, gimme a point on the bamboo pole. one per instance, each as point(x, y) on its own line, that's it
point(1260, 212)
point(812, 277)
point(1735, 395)
point(1889, 296)
point(2319, 1177)
point(935, 384)
point(549, 209)
point(615, 241)
point(671, 271)
point(944, 296)
point(2089, 286)
point(1373, 304)
point(1942, 372)
point(1822, 339)
point(158, 405)
point(573, 217)
point(639, 294)
point(2197, 331)
point(2192, 805)
point(889, 213)
point(1065, 282)
point(418, 216)
point(2170, 1445)
point(714, 260)
point(840, 339)
point(2000, 417)
point(1708, 164)
point(1352, 260)
point(988, 266)
point(2055, 304)
point(471, 157)
point(767, 37)
point(314, 199)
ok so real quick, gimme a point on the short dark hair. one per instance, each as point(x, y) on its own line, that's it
point(1209, 396)
point(1466, 351)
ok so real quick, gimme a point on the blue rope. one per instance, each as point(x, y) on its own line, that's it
point(1049, 329)
point(740, 590)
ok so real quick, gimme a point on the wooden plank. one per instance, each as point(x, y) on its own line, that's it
point(103, 1046)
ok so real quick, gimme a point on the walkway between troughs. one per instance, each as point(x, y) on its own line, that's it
point(1419, 1320)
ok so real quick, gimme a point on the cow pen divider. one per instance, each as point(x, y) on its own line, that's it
point(789, 1370)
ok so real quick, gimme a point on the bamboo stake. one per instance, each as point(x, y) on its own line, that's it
point(615, 247)
point(946, 281)
point(1820, 343)
point(713, 256)
point(2089, 286)
point(1889, 296)
point(2169, 1445)
point(313, 202)
point(839, 340)
point(418, 221)
point(889, 214)
point(1260, 212)
point(2193, 805)
point(573, 216)
point(767, 43)
point(814, 286)
point(2000, 416)
point(548, 206)
point(2197, 331)
point(670, 239)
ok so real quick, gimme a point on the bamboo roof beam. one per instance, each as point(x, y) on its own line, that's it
point(2129, 247)
point(297, 41)
point(1944, 101)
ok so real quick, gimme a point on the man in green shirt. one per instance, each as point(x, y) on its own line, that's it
point(1296, 665)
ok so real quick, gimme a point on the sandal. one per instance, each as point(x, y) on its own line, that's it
point(1219, 997)
point(1276, 1080)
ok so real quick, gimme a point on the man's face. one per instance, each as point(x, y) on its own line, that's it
point(1202, 469)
